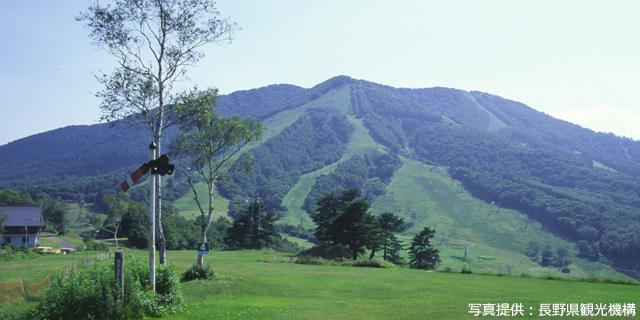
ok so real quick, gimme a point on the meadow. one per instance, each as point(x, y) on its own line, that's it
point(251, 288)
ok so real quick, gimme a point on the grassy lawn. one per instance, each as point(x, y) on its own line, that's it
point(291, 291)
point(254, 289)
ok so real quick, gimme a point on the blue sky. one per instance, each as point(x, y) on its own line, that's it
point(576, 60)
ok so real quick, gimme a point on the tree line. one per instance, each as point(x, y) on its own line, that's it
point(345, 220)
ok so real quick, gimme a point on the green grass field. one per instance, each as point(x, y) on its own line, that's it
point(254, 289)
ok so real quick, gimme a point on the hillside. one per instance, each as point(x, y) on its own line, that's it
point(477, 165)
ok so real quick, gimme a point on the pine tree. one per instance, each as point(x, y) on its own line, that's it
point(421, 252)
point(390, 224)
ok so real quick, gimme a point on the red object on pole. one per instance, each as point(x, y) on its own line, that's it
point(135, 176)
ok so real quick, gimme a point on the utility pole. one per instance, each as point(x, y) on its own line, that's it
point(27, 222)
point(259, 220)
point(64, 228)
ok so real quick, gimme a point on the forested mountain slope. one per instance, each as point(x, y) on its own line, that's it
point(353, 133)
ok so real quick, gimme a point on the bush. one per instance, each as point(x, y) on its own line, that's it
point(465, 270)
point(281, 244)
point(566, 270)
point(313, 260)
point(94, 294)
point(198, 272)
point(375, 263)
point(368, 263)
point(327, 251)
point(17, 252)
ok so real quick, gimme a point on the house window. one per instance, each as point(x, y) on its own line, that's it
point(24, 239)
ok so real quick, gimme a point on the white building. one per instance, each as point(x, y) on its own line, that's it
point(23, 225)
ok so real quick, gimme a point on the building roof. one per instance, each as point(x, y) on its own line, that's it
point(18, 213)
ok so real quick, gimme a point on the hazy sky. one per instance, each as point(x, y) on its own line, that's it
point(579, 61)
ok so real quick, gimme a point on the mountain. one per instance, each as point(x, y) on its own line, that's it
point(478, 165)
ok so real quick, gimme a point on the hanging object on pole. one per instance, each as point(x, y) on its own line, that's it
point(159, 166)
point(134, 177)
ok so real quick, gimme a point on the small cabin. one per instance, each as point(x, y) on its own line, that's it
point(22, 226)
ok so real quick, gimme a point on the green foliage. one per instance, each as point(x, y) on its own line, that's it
point(390, 224)
point(215, 146)
point(93, 293)
point(196, 272)
point(369, 173)
point(421, 251)
point(386, 131)
point(559, 191)
point(297, 231)
point(313, 141)
point(256, 229)
point(534, 248)
point(313, 261)
point(53, 212)
point(92, 245)
point(346, 221)
point(327, 251)
point(258, 102)
point(10, 196)
point(282, 244)
point(17, 252)
point(546, 255)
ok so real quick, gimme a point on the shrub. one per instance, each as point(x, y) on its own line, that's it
point(281, 244)
point(94, 294)
point(196, 272)
point(566, 270)
point(466, 270)
point(17, 252)
point(312, 260)
point(327, 251)
point(448, 269)
point(368, 263)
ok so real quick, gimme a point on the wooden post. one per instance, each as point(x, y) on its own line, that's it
point(24, 294)
point(119, 269)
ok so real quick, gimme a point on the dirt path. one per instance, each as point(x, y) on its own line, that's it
point(63, 243)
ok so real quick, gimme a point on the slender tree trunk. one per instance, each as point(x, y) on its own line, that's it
point(159, 230)
point(206, 222)
point(355, 251)
point(384, 250)
point(203, 239)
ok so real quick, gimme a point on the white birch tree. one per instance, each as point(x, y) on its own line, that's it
point(154, 43)
point(215, 146)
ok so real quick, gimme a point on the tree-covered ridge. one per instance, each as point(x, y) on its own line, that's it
point(256, 102)
point(539, 130)
point(453, 103)
point(386, 131)
point(561, 192)
point(310, 95)
point(69, 152)
point(367, 98)
point(315, 140)
point(369, 173)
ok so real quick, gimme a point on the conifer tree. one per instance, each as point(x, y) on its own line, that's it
point(421, 251)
